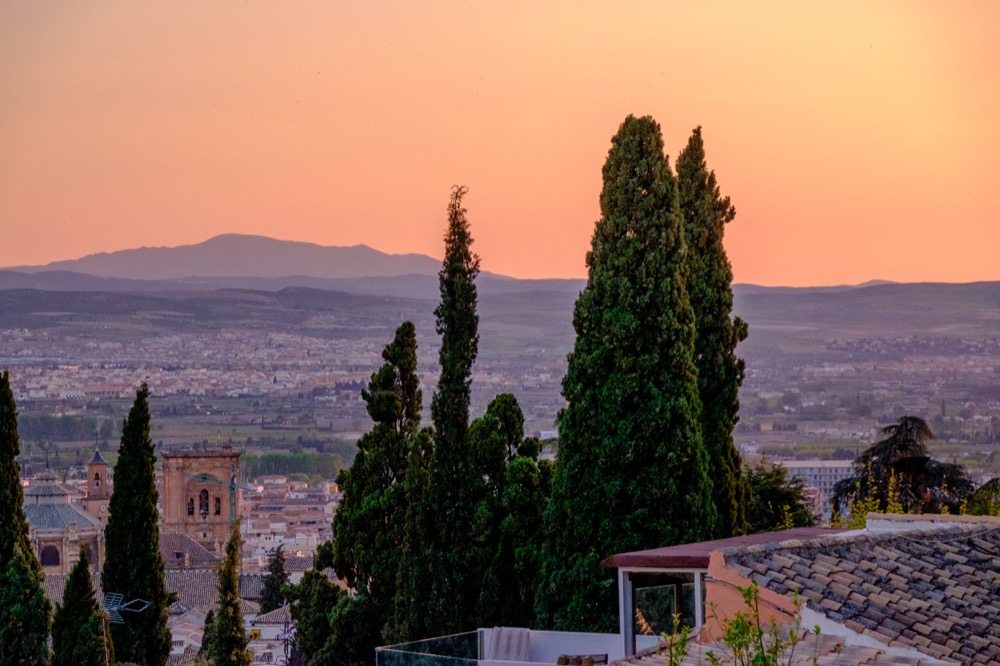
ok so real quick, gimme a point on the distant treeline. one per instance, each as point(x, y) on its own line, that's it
point(45, 427)
point(325, 465)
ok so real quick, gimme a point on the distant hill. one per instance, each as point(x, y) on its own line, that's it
point(237, 255)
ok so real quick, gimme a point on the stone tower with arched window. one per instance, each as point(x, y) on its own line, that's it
point(98, 488)
point(196, 494)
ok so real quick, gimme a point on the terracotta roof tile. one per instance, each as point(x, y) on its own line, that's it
point(935, 590)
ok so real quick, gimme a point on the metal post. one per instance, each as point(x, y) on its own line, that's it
point(626, 613)
point(699, 602)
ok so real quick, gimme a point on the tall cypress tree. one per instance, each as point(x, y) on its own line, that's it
point(720, 371)
point(228, 646)
point(370, 524)
point(133, 565)
point(24, 621)
point(272, 596)
point(14, 526)
point(631, 470)
point(434, 590)
point(80, 635)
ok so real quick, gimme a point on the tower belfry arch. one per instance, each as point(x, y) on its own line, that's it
point(196, 494)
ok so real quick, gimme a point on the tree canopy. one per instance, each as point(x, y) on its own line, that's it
point(24, 622)
point(228, 645)
point(631, 470)
point(273, 595)
point(899, 469)
point(80, 635)
point(777, 502)
point(717, 332)
point(442, 598)
point(133, 565)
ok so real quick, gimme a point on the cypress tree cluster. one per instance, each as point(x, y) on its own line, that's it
point(133, 565)
point(24, 622)
point(632, 471)
point(720, 371)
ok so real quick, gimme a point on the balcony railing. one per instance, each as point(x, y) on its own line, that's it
point(490, 647)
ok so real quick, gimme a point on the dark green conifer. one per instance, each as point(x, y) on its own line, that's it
point(312, 601)
point(444, 600)
point(208, 634)
point(631, 471)
point(370, 524)
point(133, 565)
point(508, 519)
point(14, 526)
point(26, 613)
point(228, 645)
point(80, 635)
point(24, 622)
point(272, 596)
point(717, 332)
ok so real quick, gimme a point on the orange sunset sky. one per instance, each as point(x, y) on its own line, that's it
point(857, 140)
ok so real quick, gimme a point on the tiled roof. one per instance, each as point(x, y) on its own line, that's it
point(98, 459)
point(299, 563)
point(58, 517)
point(826, 650)
point(194, 588)
point(935, 590)
point(45, 489)
point(277, 616)
point(197, 555)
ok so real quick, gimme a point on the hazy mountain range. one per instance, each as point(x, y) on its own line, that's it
point(290, 277)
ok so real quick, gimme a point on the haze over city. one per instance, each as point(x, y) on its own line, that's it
point(857, 140)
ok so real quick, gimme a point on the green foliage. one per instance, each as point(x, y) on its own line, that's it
point(631, 471)
point(985, 501)
point(79, 629)
point(24, 623)
point(228, 645)
point(776, 501)
point(133, 566)
point(720, 371)
point(326, 465)
point(508, 518)
point(311, 603)
point(445, 601)
point(14, 526)
point(273, 596)
point(370, 525)
point(675, 646)
point(414, 585)
point(38, 427)
point(208, 635)
point(751, 643)
point(921, 484)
